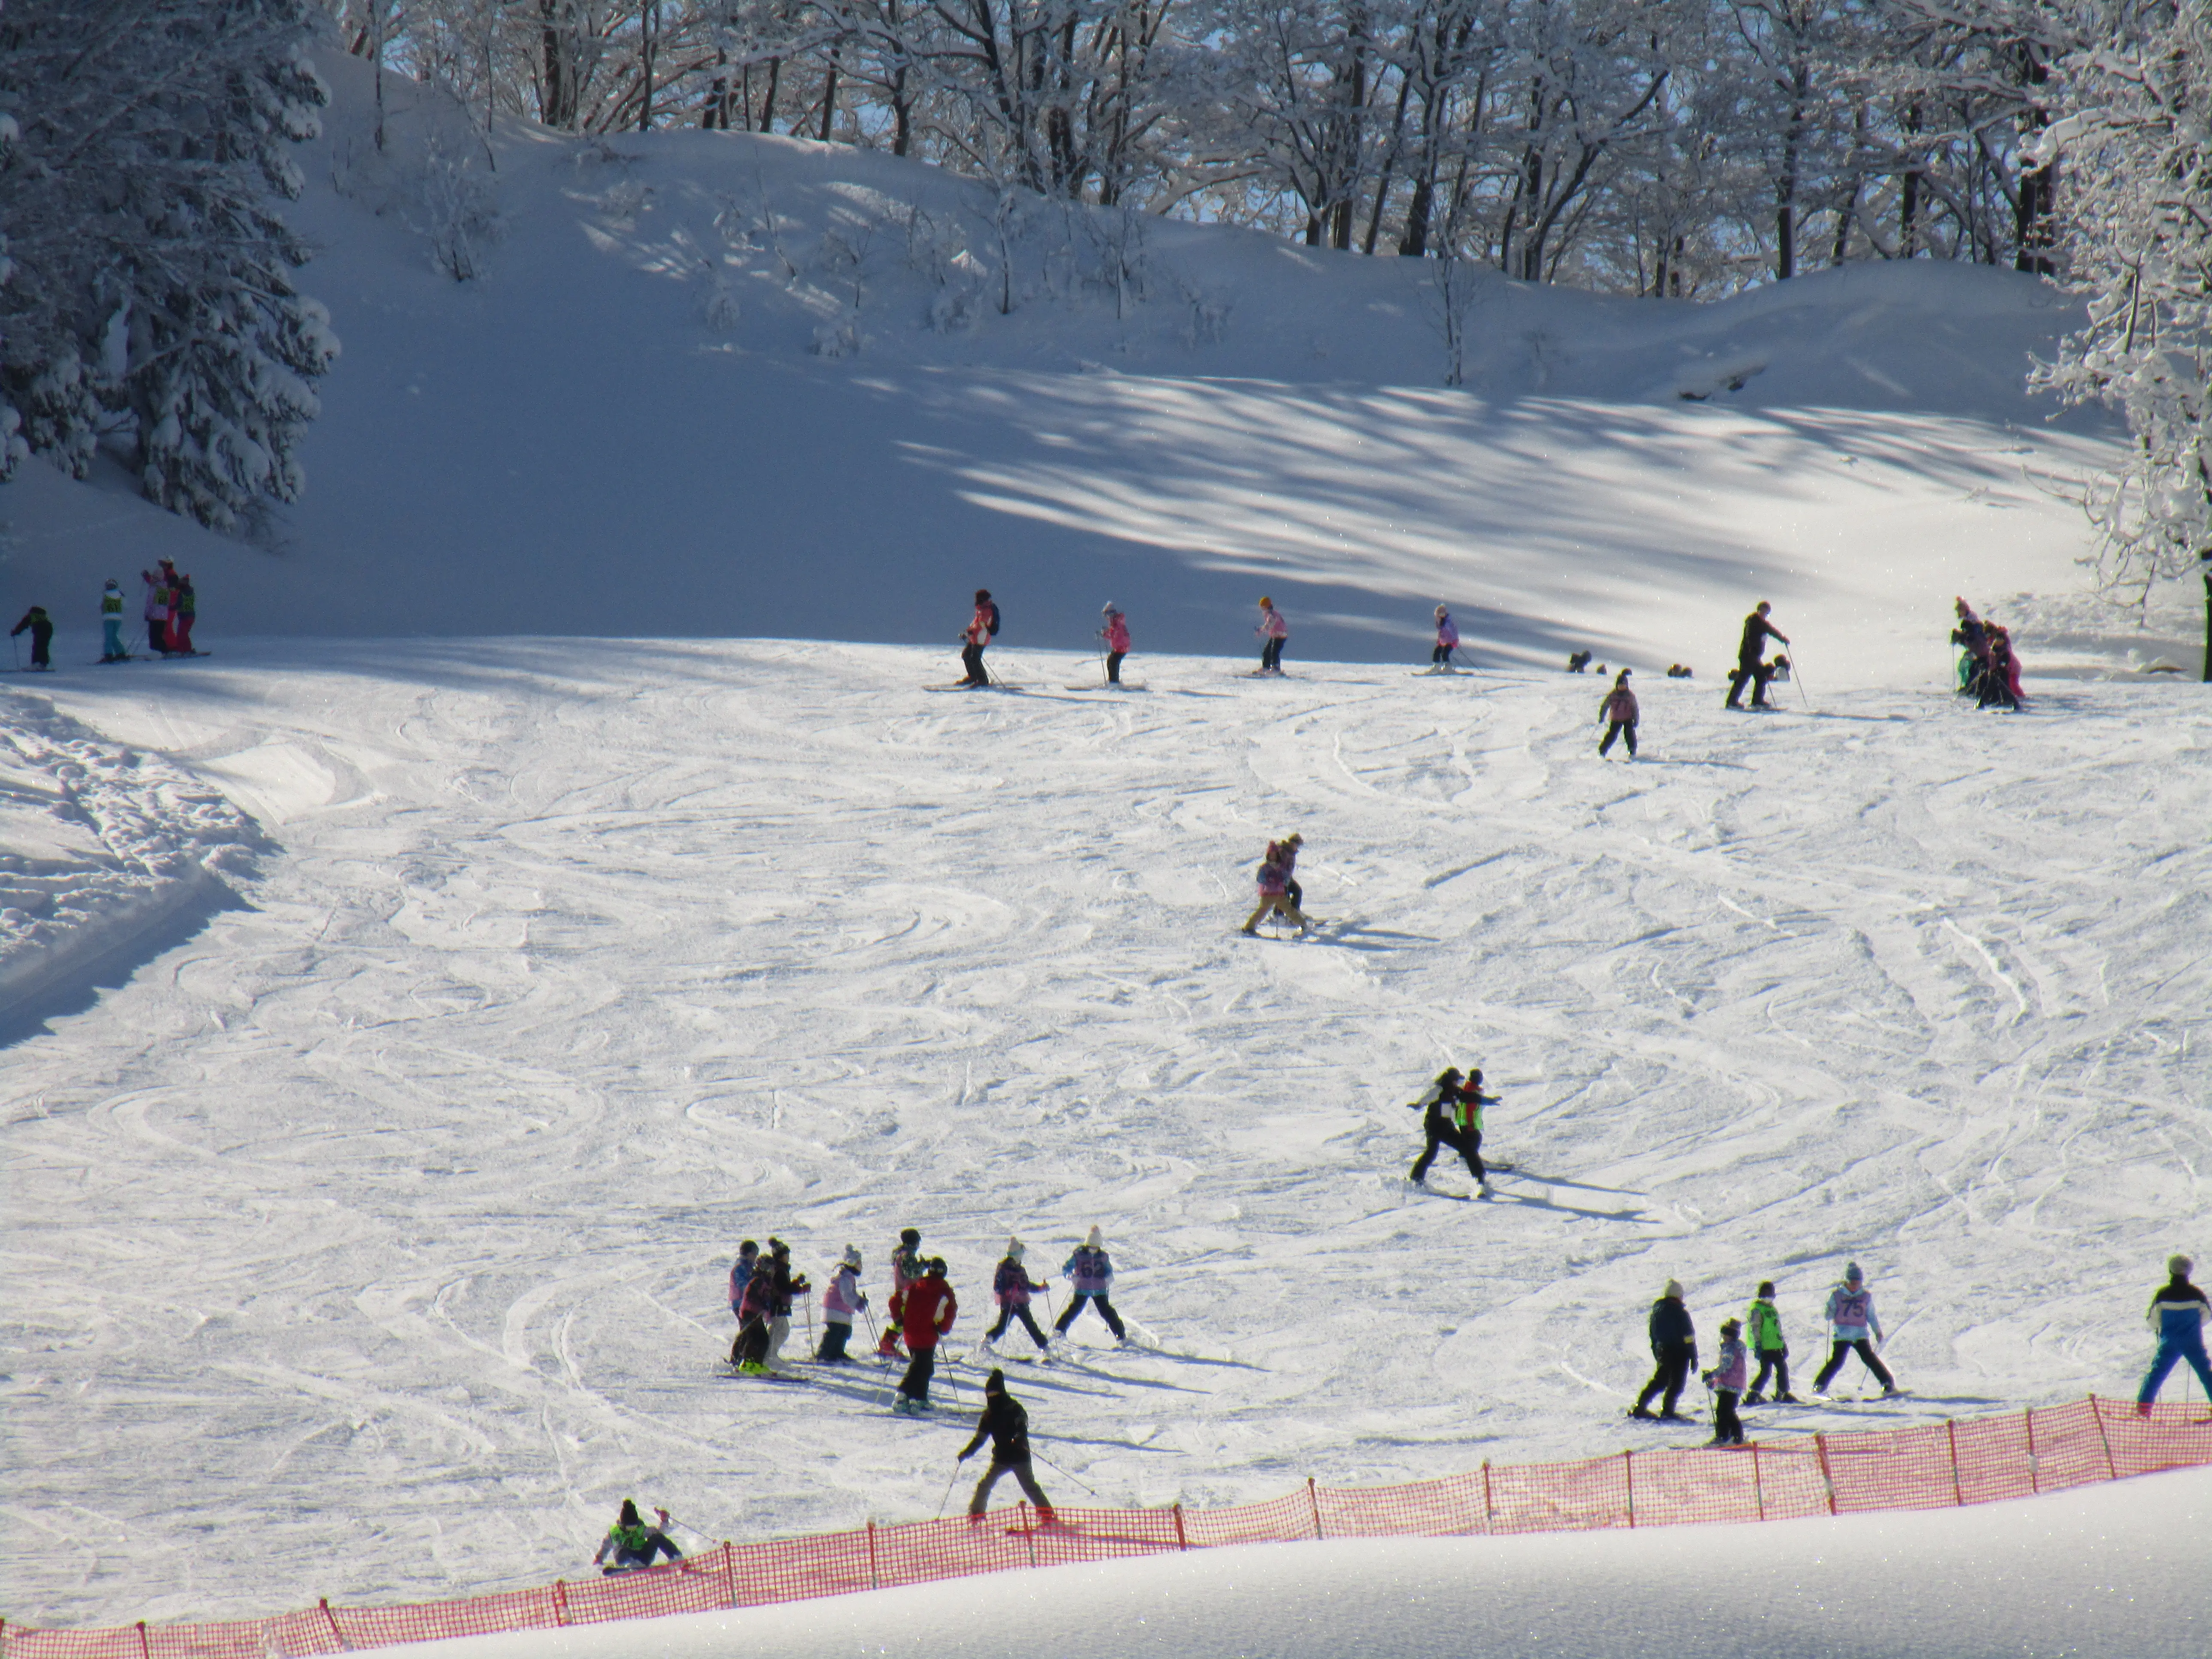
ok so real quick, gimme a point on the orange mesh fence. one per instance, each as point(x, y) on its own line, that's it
point(1929, 1465)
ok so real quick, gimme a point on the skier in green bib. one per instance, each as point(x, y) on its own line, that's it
point(632, 1544)
point(1764, 1325)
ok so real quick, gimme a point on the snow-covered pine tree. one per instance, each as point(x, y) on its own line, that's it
point(2137, 147)
point(150, 302)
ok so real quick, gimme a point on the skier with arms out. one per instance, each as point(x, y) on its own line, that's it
point(1089, 1275)
point(1006, 1427)
point(931, 1308)
point(1012, 1286)
point(1851, 1321)
point(1450, 1115)
point(1767, 1343)
point(632, 1544)
point(1116, 636)
point(1673, 1353)
point(840, 1303)
point(1620, 709)
point(2178, 1314)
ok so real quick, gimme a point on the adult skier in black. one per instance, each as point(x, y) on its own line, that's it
point(1749, 670)
point(1673, 1353)
point(1006, 1425)
point(1451, 1114)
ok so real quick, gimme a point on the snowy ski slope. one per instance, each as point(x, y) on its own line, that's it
point(372, 1244)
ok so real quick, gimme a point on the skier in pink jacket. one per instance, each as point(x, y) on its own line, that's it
point(1273, 631)
point(1447, 640)
point(1618, 708)
point(1116, 636)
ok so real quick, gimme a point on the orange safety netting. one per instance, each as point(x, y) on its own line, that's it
point(1929, 1465)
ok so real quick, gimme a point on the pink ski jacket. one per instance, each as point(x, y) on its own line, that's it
point(1271, 624)
point(1118, 633)
point(1621, 705)
point(1447, 635)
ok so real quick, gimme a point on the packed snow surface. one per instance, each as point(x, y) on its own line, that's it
point(372, 1245)
point(2111, 1571)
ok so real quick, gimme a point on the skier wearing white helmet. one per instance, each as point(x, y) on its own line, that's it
point(1852, 1322)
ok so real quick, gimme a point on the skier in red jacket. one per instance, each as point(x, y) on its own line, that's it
point(927, 1314)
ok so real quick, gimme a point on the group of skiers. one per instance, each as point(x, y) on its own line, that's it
point(923, 1306)
point(172, 607)
point(1452, 1117)
point(1989, 670)
point(1279, 892)
point(1853, 1328)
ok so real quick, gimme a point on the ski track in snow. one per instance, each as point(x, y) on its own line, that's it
point(373, 1247)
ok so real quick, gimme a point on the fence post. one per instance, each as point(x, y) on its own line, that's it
point(1951, 1434)
point(1314, 1499)
point(1029, 1530)
point(1628, 1474)
point(2097, 1411)
point(875, 1581)
point(331, 1618)
point(1827, 1481)
point(730, 1572)
point(1489, 1510)
point(144, 1651)
point(560, 1601)
point(1182, 1542)
point(2034, 1484)
point(1757, 1491)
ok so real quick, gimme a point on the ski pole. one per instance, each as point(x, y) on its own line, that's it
point(1800, 680)
point(668, 1520)
point(949, 1479)
point(810, 1324)
point(1056, 1470)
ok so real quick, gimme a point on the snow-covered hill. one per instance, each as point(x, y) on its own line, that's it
point(411, 1189)
point(625, 425)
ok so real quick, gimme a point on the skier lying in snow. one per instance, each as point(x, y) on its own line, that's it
point(633, 1543)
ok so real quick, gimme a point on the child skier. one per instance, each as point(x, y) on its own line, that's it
point(1007, 1427)
point(157, 613)
point(111, 622)
point(633, 1543)
point(1274, 898)
point(1273, 631)
point(1851, 1321)
point(1089, 1275)
point(42, 634)
point(755, 1313)
point(2178, 1314)
point(982, 628)
point(741, 1273)
point(786, 1287)
point(185, 611)
point(1726, 1381)
point(1674, 1352)
point(1012, 1286)
point(840, 1303)
point(1447, 640)
point(931, 1308)
point(1116, 636)
point(1285, 853)
point(1618, 708)
point(1767, 1343)
point(906, 1267)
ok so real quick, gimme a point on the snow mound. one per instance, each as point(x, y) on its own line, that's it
point(99, 845)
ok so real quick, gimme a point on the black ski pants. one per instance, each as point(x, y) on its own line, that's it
point(1007, 1315)
point(915, 1385)
point(751, 1344)
point(834, 1336)
point(1105, 1311)
point(1019, 1469)
point(1466, 1143)
point(1727, 1425)
point(1624, 730)
point(1441, 656)
point(1774, 1362)
point(1756, 675)
point(1669, 1375)
point(1841, 1351)
point(1271, 655)
point(1114, 666)
point(971, 659)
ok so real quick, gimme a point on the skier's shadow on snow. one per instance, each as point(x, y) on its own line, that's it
point(1636, 1217)
point(1726, 766)
point(1871, 720)
point(1354, 937)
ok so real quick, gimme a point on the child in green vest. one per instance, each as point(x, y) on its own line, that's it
point(1766, 1328)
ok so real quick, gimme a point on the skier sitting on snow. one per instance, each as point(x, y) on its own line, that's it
point(1089, 1275)
point(1116, 636)
point(931, 1308)
point(1007, 1427)
point(907, 1266)
point(1851, 1320)
point(1620, 709)
point(42, 634)
point(1766, 1342)
point(1274, 898)
point(1012, 1285)
point(1674, 1352)
point(1726, 1381)
point(1447, 640)
point(633, 1543)
point(1453, 1118)
point(840, 1303)
point(2178, 1314)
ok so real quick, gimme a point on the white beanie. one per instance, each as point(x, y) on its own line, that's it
point(1097, 1240)
point(1673, 1289)
point(852, 1255)
point(2179, 1266)
point(1013, 1249)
